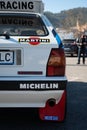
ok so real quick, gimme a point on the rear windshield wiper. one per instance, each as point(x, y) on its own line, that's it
point(6, 35)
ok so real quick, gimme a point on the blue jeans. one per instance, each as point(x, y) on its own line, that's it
point(81, 51)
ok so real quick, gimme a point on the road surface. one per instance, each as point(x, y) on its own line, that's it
point(76, 117)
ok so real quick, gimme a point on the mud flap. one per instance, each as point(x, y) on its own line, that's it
point(56, 112)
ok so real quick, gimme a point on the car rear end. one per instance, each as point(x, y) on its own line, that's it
point(32, 65)
point(70, 46)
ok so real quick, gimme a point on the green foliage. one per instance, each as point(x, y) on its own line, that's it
point(66, 19)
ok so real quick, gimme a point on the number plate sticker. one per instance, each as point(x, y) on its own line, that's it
point(6, 57)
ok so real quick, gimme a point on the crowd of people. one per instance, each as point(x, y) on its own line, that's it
point(82, 48)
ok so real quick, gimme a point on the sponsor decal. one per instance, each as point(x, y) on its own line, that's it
point(9, 5)
point(38, 86)
point(16, 21)
point(52, 118)
point(32, 85)
point(34, 40)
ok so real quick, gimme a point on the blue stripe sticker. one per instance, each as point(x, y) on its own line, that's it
point(57, 38)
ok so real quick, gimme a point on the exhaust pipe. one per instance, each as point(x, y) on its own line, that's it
point(52, 102)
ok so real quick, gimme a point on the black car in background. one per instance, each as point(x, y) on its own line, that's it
point(70, 46)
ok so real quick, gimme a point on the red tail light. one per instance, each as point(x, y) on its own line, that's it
point(56, 63)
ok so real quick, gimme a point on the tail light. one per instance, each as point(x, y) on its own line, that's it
point(56, 62)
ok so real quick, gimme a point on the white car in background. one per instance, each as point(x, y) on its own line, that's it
point(32, 64)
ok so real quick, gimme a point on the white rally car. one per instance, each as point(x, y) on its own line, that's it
point(32, 64)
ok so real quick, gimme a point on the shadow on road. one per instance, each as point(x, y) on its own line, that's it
point(73, 64)
point(27, 119)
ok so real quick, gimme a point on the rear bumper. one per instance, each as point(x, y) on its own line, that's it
point(70, 51)
point(30, 92)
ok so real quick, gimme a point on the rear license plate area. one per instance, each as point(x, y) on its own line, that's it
point(10, 57)
point(6, 57)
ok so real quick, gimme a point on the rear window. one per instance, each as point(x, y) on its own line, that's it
point(68, 40)
point(22, 25)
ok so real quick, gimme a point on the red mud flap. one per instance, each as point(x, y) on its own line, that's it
point(55, 112)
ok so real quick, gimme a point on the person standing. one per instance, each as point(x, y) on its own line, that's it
point(86, 44)
point(81, 49)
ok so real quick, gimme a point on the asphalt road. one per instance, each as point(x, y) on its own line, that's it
point(76, 117)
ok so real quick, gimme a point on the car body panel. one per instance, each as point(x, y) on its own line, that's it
point(25, 59)
point(30, 91)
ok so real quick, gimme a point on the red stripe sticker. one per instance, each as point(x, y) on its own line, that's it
point(34, 40)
